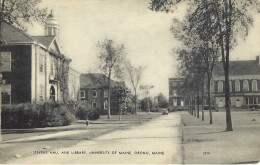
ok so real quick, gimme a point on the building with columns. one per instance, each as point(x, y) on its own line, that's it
point(244, 85)
point(36, 63)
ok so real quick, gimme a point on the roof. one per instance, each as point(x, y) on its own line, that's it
point(45, 40)
point(247, 67)
point(97, 80)
point(12, 34)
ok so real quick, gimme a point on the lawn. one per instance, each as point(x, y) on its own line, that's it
point(205, 144)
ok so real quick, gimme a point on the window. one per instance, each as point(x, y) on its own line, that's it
point(220, 86)
point(174, 84)
point(94, 93)
point(82, 94)
point(94, 104)
point(52, 67)
point(247, 101)
point(174, 92)
point(255, 100)
point(41, 63)
point(5, 61)
point(254, 85)
point(49, 31)
point(230, 86)
point(41, 92)
point(105, 104)
point(237, 85)
point(105, 93)
point(55, 31)
point(245, 85)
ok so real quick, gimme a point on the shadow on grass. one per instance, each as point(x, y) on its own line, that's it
point(23, 131)
point(212, 132)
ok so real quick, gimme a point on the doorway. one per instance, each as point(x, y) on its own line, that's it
point(52, 93)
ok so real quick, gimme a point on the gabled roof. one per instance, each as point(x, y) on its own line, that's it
point(12, 34)
point(247, 67)
point(97, 80)
point(45, 40)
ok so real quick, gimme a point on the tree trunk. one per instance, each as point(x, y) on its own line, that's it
point(202, 96)
point(109, 94)
point(198, 101)
point(226, 69)
point(135, 112)
point(209, 102)
point(194, 105)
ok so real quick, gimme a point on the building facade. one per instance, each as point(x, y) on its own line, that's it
point(94, 89)
point(244, 84)
point(35, 61)
point(177, 100)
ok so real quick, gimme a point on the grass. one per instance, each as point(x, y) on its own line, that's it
point(205, 144)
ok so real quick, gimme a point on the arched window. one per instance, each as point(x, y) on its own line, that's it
point(220, 86)
point(254, 85)
point(245, 85)
point(230, 86)
point(237, 86)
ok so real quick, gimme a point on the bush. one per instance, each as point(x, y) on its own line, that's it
point(93, 115)
point(55, 114)
point(20, 116)
point(82, 113)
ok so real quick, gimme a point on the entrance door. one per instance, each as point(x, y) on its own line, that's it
point(182, 103)
point(221, 104)
point(238, 103)
point(52, 94)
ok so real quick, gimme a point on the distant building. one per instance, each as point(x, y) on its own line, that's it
point(177, 99)
point(94, 89)
point(34, 62)
point(244, 83)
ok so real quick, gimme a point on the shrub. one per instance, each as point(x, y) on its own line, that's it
point(83, 109)
point(72, 106)
point(55, 114)
point(20, 116)
point(93, 115)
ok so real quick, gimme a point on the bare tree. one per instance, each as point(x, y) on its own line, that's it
point(111, 57)
point(135, 74)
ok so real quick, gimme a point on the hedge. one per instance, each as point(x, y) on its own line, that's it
point(47, 114)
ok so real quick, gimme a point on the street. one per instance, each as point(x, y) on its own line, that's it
point(155, 142)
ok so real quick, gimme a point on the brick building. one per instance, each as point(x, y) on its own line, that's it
point(94, 89)
point(176, 97)
point(34, 61)
point(244, 83)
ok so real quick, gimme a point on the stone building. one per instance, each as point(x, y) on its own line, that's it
point(36, 63)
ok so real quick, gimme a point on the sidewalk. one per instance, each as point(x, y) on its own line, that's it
point(21, 142)
point(210, 144)
point(141, 144)
point(18, 135)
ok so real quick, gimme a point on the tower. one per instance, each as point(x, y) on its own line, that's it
point(51, 26)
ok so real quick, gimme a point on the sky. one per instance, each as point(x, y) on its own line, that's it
point(145, 34)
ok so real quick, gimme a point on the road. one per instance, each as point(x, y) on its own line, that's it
point(155, 142)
